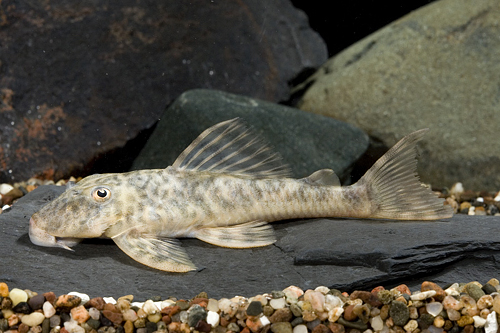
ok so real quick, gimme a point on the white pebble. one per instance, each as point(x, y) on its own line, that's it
point(72, 327)
point(33, 319)
point(434, 308)
point(497, 198)
point(84, 297)
point(109, 300)
point(277, 303)
point(453, 290)
point(332, 302)
point(5, 188)
point(377, 323)
point(300, 329)
point(150, 308)
point(137, 304)
point(94, 313)
point(334, 314)
point(48, 310)
point(491, 325)
point(478, 321)
point(322, 289)
point(422, 295)
point(264, 321)
point(17, 295)
point(213, 305)
point(411, 326)
point(213, 318)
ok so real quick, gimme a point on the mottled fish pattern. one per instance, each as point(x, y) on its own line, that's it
point(224, 189)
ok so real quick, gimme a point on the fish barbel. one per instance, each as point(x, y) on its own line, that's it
point(224, 189)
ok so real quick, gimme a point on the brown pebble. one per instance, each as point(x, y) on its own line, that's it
point(336, 328)
point(115, 317)
point(23, 328)
point(366, 297)
point(245, 330)
point(279, 315)
point(63, 330)
point(170, 310)
point(97, 302)
point(166, 319)
point(200, 301)
point(349, 313)
point(468, 329)
point(448, 325)
point(403, 289)
point(377, 289)
point(321, 329)
point(384, 311)
point(50, 297)
point(440, 294)
point(80, 314)
point(66, 302)
point(203, 326)
point(128, 327)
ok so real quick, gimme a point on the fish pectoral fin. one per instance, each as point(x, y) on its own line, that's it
point(165, 254)
point(250, 234)
point(323, 177)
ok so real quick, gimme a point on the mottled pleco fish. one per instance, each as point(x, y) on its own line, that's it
point(224, 189)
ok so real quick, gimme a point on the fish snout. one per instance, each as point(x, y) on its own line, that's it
point(40, 237)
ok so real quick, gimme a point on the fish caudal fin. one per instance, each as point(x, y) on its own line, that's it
point(394, 188)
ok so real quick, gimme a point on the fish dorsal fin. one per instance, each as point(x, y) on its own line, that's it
point(323, 177)
point(232, 147)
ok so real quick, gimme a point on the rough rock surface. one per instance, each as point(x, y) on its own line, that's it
point(307, 142)
point(344, 253)
point(436, 67)
point(80, 79)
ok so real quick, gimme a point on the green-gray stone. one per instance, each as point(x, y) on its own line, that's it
point(93, 323)
point(400, 313)
point(281, 327)
point(425, 320)
point(474, 291)
point(182, 304)
point(296, 310)
point(385, 296)
point(195, 314)
point(233, 327)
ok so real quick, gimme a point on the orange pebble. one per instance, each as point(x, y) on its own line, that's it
point(4, 289)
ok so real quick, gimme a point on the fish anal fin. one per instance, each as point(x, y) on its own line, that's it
point(232, 147)
point(246, 235)
point(323, 177)
point(164, 254)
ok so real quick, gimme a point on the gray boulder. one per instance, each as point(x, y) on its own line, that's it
point(346, 254)
point(436, 67)
point(307, 142)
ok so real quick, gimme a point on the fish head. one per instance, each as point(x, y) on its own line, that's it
point(84, 210)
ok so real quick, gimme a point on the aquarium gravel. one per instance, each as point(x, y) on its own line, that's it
point(466, 307)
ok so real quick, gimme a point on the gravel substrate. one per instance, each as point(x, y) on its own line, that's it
point(463, 201)
point(470, 308)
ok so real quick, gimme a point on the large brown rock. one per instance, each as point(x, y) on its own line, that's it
point(436, 67)
point(81, 78)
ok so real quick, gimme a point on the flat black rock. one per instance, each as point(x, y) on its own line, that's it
point(346, 254)
point(307, 142)
point(79, 79)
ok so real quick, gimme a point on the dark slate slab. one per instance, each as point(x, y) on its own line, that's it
point(307, 142)
point(343, 253)
point(79, 79)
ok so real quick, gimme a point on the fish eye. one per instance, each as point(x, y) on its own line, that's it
point(101, 194)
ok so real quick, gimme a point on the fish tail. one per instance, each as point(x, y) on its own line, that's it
point(394, 189)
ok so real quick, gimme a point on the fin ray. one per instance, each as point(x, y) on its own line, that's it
point(394, 185)
point(323, 177)
point(231, 147)
point(246, 235)
point(164, 254)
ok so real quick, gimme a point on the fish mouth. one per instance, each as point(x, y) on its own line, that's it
point(40, 237)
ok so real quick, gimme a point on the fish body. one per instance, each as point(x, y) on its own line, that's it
point(224, 189)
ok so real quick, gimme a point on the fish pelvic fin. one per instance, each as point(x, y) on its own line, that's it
point(393, 185)
point(246, 235)
point(164, 254)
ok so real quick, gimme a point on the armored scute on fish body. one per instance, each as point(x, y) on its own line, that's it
point(224, 189)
